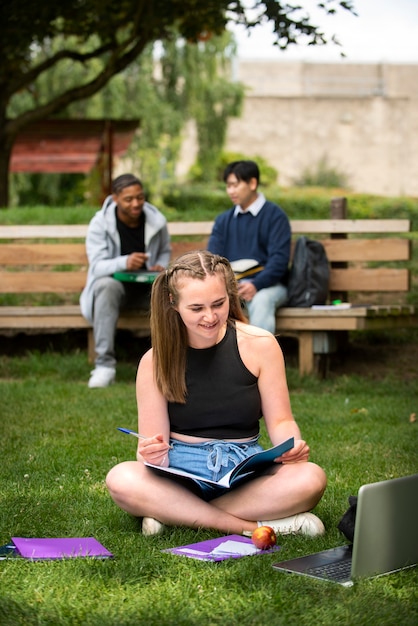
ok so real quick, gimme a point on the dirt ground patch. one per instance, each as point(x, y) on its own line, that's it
point(379, 361)
point(375, 357)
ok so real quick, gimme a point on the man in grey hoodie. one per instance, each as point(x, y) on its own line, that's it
point(127, 234)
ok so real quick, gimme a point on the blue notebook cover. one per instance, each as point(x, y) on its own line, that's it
point(251, 465)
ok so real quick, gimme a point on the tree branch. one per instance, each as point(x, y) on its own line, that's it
point(29, 77)
point(114, 66)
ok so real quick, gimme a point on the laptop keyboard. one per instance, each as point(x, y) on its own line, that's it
point(339, 571)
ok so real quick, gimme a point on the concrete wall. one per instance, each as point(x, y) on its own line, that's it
point(361, 118)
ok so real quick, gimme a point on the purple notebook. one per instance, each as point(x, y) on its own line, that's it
point(221, 548)
point(63, 548)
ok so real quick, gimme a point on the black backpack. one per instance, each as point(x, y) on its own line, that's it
point(309, 274)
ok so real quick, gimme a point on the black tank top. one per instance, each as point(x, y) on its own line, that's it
point(131, 239)
point(223, 400)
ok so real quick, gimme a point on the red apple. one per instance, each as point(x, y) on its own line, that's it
point(264, 537)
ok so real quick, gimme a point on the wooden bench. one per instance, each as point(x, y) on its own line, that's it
point(368, 261)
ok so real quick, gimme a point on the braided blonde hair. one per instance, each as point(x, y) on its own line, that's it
point(168, 332)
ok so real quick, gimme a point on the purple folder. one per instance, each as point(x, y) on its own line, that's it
point(210, 550)
point(62, 548)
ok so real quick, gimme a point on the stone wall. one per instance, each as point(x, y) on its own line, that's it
point(362, 119)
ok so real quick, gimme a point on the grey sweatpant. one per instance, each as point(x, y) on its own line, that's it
point(110, 296)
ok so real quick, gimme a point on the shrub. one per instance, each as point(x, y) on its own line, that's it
point(323, 176)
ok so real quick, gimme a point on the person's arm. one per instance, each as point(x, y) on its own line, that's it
point(101, 261)
point(216, 243)
point(153, 420)
point(277, 245)
point(276, 406)
point(263, 356)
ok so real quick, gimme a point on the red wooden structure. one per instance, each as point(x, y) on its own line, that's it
point(72, 146)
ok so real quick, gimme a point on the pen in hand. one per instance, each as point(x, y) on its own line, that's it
point(137, 435)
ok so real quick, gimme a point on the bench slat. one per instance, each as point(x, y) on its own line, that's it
point(350, 279)
point(365, 250)
point(43, 254)
point(75, 231)
point(287, 325)
point(15, 254)
point(47, 231)
point(42, 282)
point(350, 226)
point(299, 319)
point(374, 310)
point(181, 247)
point(373, 280)
point(190, 228)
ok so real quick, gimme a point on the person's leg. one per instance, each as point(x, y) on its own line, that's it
point(285, 491)
point(137, 296)
point(109, 295)
point(140, 492)
point(262, 308)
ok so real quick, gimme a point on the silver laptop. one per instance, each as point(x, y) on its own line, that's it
point(385, 536)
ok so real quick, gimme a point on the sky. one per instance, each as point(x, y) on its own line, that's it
point(384, 31)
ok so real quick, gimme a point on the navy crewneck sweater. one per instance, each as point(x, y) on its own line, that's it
point(264, 237)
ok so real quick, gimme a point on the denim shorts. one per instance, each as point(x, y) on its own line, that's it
point(212, 460)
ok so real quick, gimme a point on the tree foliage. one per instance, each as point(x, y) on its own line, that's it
point(198, 78)
point(184, 82)
point(103, 37)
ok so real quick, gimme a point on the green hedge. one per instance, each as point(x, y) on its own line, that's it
point(194, 203)
point(200, 203)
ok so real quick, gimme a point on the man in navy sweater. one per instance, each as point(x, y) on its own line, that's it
point(254, 228)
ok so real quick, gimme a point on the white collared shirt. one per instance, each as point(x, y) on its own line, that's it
point(254, 208)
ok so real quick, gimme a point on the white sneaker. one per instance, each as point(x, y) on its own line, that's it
point(301, 524)
point(151, 526)
point(102, 377)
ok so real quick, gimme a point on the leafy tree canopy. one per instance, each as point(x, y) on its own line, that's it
point(107, 36)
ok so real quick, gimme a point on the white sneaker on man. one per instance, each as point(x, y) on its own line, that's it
point(301, 524)
point(151, 526)
point(102, 377)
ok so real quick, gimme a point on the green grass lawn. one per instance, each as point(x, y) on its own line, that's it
point(59, 439)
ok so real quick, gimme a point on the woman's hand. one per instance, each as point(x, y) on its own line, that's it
point(299, 452)
point(153, 450)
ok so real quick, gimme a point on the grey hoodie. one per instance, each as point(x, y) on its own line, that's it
point(104, 248)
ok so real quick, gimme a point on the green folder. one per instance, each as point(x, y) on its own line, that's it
point(136, 277)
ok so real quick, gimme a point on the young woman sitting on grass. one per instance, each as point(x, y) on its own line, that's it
point(202, 389)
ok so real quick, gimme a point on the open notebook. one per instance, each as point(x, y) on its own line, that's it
point(385, 536)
